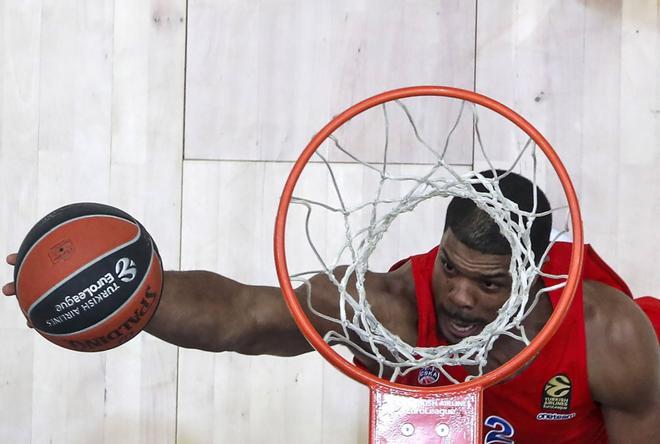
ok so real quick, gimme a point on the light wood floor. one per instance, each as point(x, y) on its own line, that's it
point(188, 114)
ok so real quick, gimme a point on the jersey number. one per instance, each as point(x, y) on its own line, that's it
point(502, 431)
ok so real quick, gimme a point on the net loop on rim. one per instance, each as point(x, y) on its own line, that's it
point(357, 326)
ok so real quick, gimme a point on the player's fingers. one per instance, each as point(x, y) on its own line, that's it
point(9, 289)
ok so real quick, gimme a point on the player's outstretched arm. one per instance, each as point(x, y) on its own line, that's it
point(204, 310)
point(624, 365)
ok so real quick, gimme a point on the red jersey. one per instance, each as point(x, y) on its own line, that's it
point(550, 401)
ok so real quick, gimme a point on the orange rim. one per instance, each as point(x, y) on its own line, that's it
point(575, 267)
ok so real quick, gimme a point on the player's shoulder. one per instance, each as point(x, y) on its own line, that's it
point(392, 297)
point(621, 345)
point(395, 284)
point(400, 281)
point(611, 316)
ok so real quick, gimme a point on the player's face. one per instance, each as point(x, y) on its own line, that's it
point(469, 287)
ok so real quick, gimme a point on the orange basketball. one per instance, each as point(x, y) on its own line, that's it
point(88, 277)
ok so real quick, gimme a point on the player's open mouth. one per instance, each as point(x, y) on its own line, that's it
point(461, 329)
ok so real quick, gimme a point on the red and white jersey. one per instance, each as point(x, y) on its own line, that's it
point(550, 401)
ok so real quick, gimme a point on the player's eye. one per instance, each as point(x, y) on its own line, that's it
point(447, 266)
point(490, 285)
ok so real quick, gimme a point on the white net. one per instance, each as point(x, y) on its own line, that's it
point(437, 172)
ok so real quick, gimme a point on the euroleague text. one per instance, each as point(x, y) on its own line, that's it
point(94, 300)
point(90, 292)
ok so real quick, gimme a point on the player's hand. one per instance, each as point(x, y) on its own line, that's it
point(10, 288)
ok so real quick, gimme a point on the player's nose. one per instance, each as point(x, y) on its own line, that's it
point(461, 294)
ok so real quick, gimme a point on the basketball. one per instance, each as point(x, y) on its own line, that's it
point(88, 277)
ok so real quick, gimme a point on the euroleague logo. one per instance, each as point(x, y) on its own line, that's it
point(557, 393)
point(428, 375)
point(125, 269)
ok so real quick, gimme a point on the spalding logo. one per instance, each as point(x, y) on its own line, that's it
point(125, 269)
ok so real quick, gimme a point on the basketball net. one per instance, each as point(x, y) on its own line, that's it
point(365, 223)
point(440, 179)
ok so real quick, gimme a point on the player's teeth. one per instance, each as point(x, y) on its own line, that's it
point(462, 328)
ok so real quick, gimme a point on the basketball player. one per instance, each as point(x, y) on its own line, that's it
point(598, 379)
